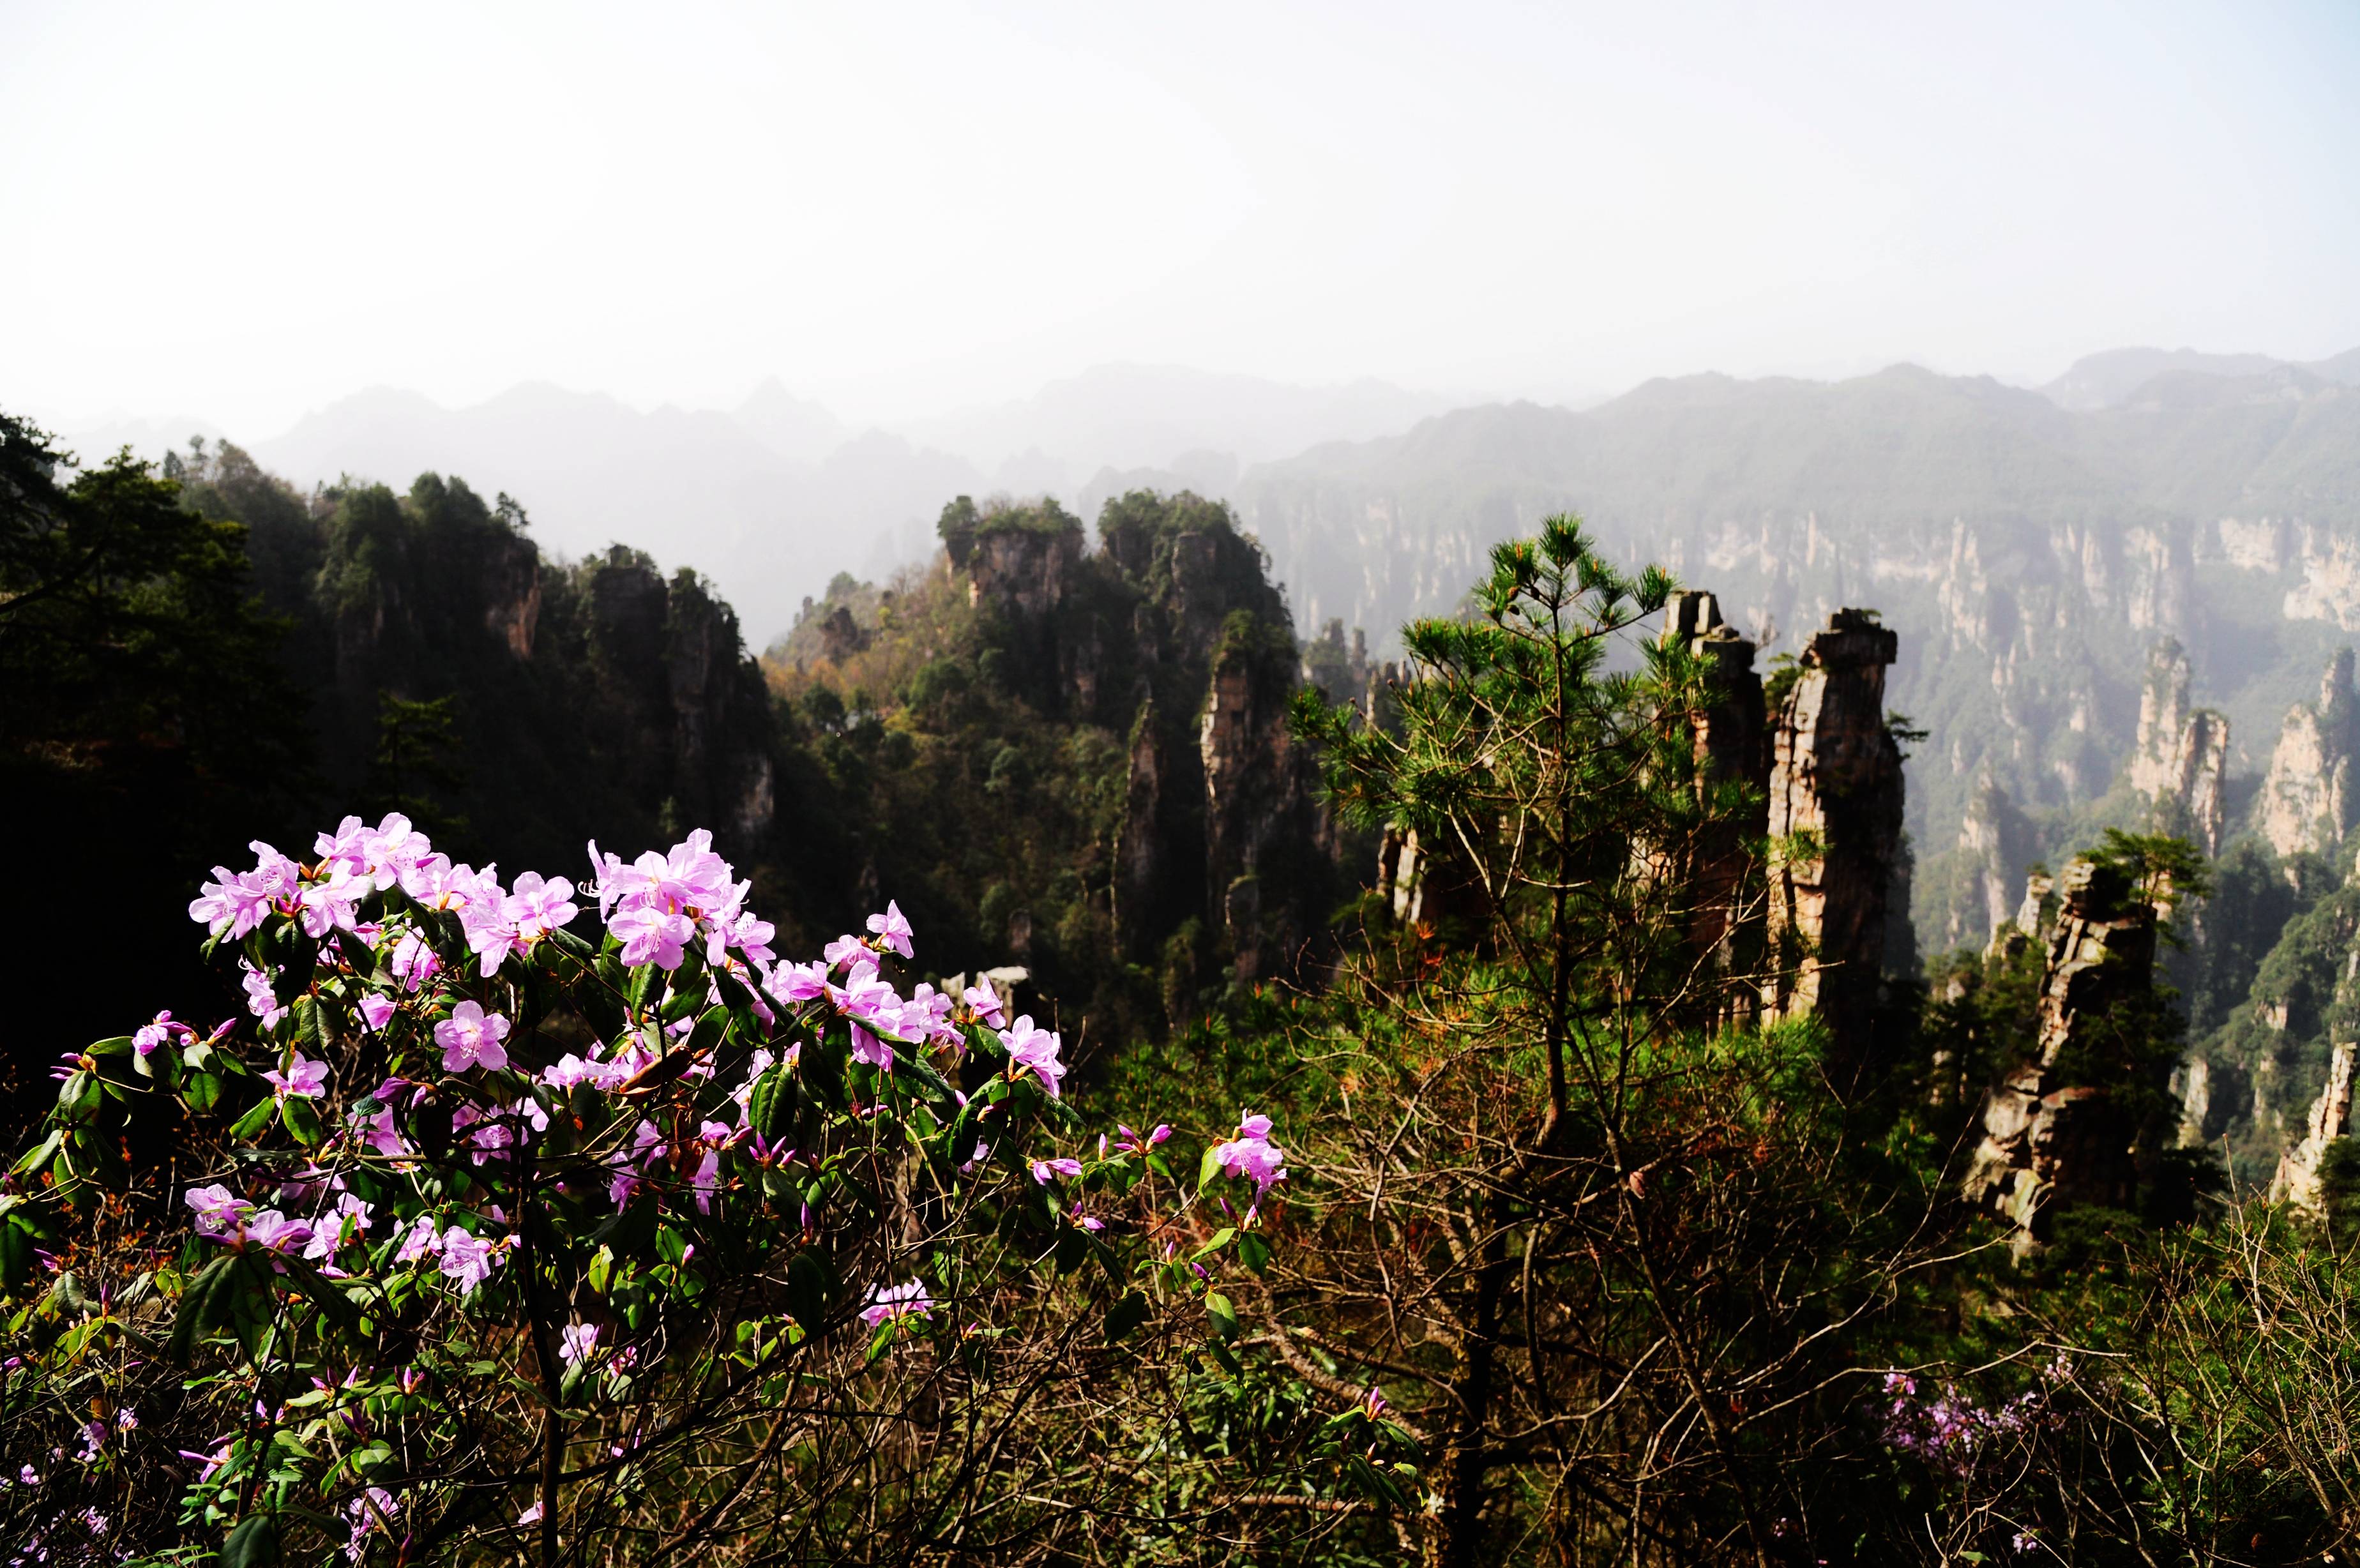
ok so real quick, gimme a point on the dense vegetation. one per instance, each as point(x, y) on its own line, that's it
point(537, 1222)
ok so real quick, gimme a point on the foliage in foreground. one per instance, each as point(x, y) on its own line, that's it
point(484, 1238)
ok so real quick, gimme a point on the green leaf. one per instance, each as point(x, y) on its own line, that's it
point(33, 1158)
point(1221, 1238)
point(1125, 1316)
point(709, 1031)
point(202, 1092)
point(1208, 1169)
point(117, 1045)
point(772, 1108)
point(253, 1544)
point(251, 1126)
point(1253, 1251)
point(307, 1019)
point(302, 1118)
point(200, 1301)
point(810, 1280)
point(1221, 1315)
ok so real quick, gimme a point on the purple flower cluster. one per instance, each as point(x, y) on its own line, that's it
point(659, 904)
point(1949, 1431)
point(1251, 1154)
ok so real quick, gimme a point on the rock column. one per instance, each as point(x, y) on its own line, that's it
point(2048, 1144)
point(1835, 827)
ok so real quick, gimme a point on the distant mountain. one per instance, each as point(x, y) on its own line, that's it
point(2107, 380)
point(796, 428)
point(2029, 555)
point(1141, 416)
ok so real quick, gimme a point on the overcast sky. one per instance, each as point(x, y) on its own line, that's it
point(241, 213)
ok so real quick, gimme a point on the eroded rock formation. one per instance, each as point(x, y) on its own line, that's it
point(1732, 746)
point(2308, 801)
point(2051, 1142)
point(1836, 806)
point(2297, 1180)
point(2180, 761)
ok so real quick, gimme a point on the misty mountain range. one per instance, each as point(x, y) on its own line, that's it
point(2030, 545)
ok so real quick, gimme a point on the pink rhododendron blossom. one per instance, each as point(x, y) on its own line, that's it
point(159, 1032)
point(576, 1342)
point(469, 1258)
point(658, 904)
point(375, 1011)
point(1251, 1155)
point(984, 1001)
point(1036, 1049)
point(348, 1221)
point(303, 1078)
point(414, 962)
point(868, 1048)
point(792, 983)
point(423, 1241)
point(892, 930)
point(218, 1209)
point(845, 951)
point(892, 1303)
point(567, 1071)
point(471, 1038)
point(1046, 1170)
point(260, 998)
point(276, 1232)
point(239, 901)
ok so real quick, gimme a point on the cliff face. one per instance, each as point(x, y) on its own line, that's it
point(1733, 744)
point(2308, 800)
point(2050, 1142)
point(2180, 760)
point(1172, 636)
point(2298, 1177)
point(1836, 793)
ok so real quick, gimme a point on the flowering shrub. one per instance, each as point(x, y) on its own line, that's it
point(479, 1228)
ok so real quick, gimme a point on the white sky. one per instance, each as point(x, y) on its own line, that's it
point(241, 213)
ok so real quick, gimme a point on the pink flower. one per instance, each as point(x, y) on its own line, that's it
point(423, 1241)
point(1035, 1049)
point(349, 1219)
point(792, 983)
point(470, 1038)
point(845, 951)
point(469, 1258)
point(162, 1031)
point(657, 905)
point(375, 1011)
point(276, 1232)
point(529, 1515)
point(303, 1078)
point(260, 998)
point(1045, 1171)
point(986, 1003)
point(217, 1208)
point(415, 962)
point(892, 930)
point(892, 1303)
point(1252, 1155)
point(576, 1344)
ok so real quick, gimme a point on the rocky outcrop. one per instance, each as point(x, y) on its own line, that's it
point(2297, 1180)
point(2180, 760)
point(1259, 816)
point(1997, 839)
point(1732, 746)
point(1836, 807)
point(2048, 1142)
point(2308, 801)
